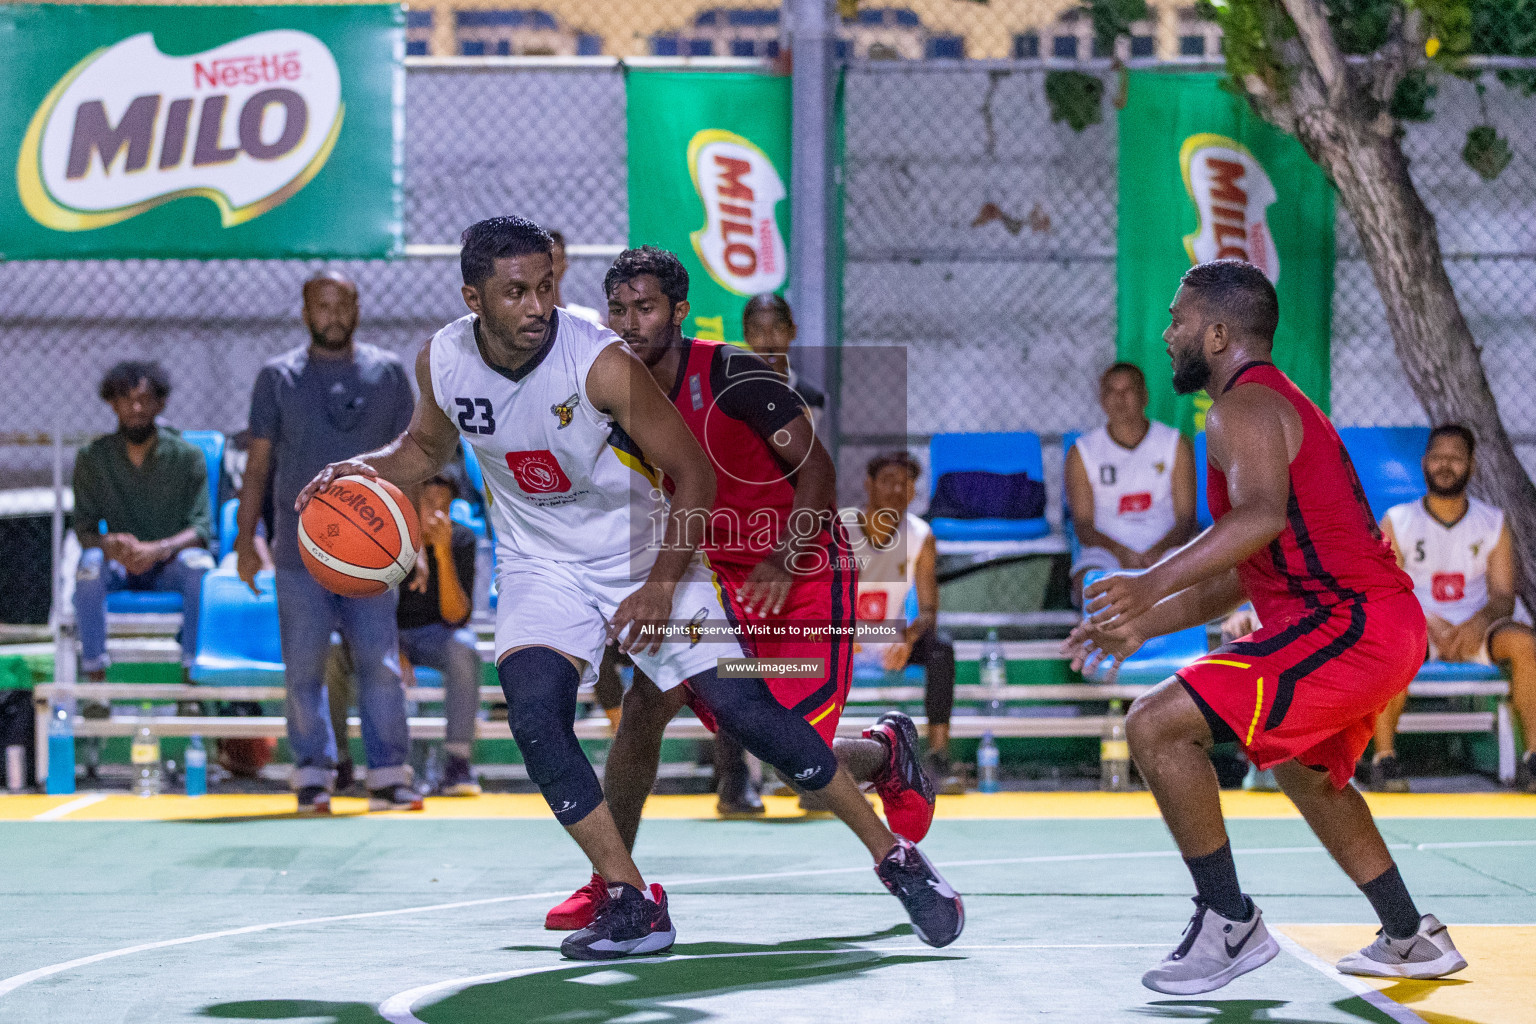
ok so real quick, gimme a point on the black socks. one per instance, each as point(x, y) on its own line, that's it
point(1392, 903)
point(1216, 884)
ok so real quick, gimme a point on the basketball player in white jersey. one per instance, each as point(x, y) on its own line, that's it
point(897, 555)
point(572, 434)
point(1130, 483)
point(1461, 557)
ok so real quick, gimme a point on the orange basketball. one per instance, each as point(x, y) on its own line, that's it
point(359, 537)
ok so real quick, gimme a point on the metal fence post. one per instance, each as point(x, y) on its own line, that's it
point(810, 39)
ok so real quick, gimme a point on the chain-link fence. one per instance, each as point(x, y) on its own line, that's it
point(546, 143)
point(979, 231)
point(980, 234)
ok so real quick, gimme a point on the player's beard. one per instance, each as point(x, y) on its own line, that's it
point(1455, 490)
point(1191, 372)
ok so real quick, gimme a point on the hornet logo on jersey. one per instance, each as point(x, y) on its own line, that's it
point(695, 627)
point(563, 411)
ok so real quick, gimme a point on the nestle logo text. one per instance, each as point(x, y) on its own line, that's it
point(227, 72)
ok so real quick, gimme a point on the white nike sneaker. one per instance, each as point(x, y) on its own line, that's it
point(1215, 950)
point(1428, 953)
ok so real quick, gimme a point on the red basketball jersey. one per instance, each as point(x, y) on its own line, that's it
point(1331, 550)
point(754, 492)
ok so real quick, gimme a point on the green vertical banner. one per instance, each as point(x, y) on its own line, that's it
point(201, 132)
point(709, 180)
point(1202, 177)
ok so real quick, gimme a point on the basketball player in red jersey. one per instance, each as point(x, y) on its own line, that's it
point(1342, 636)
point(779, 552)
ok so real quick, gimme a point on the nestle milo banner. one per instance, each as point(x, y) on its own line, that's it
point(709, 180)
point(200, 131)
point(1203, 178)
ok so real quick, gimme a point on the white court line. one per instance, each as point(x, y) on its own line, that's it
point(1396, 1011)
point(55, 813)
point(11, 984)
point(1475, 844)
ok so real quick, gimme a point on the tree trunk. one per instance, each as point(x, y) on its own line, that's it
point(1434, 344)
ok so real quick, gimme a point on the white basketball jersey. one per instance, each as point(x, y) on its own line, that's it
point(1448, 564)
point(886, 574)
point(564, 482)
point(1132, 487)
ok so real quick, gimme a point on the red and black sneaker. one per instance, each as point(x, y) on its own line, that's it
point(905, 790)
point(629, 923)
point(579, 908)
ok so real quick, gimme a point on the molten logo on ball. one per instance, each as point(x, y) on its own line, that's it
point(538, 472)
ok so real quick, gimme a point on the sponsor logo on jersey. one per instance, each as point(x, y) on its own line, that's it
point(872, 605)
point(538, 472)
point(1232, 194)
point(695, 392)
point(695, 627)
point(1140, 502)
point(245, 125)
point(1448, 586)
point(564, 411)
point(740, 243)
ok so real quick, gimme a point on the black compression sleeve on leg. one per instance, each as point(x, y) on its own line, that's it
point(772, 732)
point(1393, 904)
point(540, 685)
point(936, 653)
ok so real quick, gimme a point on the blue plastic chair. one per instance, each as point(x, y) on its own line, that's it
point(463, 513)
point(1389, 462)
point(472, 467)
point(228, 526)
point(212, 444)
point(1457, 672)
point(1159, 657)
point(1017, 452)
point(1202, 507)
point(238, 640)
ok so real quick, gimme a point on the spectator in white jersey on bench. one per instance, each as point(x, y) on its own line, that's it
point(1130, 483)
point(1460, 555)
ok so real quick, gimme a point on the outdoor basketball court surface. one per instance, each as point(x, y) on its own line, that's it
point(227, 908)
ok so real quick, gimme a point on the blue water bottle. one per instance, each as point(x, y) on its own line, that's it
point(197, 768)
point(986, 764)
point(61, 748)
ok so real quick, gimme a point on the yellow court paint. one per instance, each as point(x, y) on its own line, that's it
point(18, 807)
point(1496, 987)
point(1014, 805)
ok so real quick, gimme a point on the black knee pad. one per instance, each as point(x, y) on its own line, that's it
point(772, 732)
point(540, 686)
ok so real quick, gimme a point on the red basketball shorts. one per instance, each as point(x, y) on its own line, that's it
point(1309, 685)
point(816, 622)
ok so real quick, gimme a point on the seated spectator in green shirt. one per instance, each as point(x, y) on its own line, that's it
point(141, 512)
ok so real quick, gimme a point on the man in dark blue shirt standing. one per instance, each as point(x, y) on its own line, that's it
point(315, 405)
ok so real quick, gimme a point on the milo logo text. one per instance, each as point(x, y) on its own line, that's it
point(740, 243)
point(1232, 194)
point(245, 125)
point(358, 501)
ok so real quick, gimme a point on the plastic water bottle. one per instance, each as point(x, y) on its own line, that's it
point(986, 764)
point(61, 747)
point(145, 755)
point(197, 768)
point(994, 671)
point(485, 571)
point(1114, 752)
